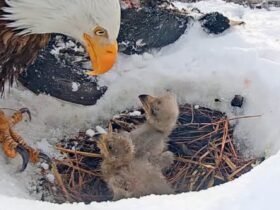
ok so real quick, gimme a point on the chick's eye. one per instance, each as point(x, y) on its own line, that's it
point(110, 147)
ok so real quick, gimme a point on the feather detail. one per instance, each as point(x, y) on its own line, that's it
point(17, 52)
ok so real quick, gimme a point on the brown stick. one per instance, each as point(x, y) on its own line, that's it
point(60, 182)
point(77, 168)
point(86, 154)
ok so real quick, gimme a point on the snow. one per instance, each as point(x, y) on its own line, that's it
point(75, 86)
point(199, 68)
point(135, 113)
point(196, 106)
point(90, 132)
point(50, 178)
point(100, 130)
point(45, 166)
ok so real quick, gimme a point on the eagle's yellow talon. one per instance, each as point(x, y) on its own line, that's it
point(33, 154)
point(9, 149)
point(12, 143)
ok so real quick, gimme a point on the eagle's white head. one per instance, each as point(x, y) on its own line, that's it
point(95, 23)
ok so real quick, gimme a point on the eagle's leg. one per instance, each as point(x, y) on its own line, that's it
point(8, 144)
point(33, 154)
point(11, 147)
point(18, 116)
point(12, 143)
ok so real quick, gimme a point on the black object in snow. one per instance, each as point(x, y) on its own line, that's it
point(237, 101)
point(214, 23)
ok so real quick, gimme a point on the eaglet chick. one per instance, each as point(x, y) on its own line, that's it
point(126, 175)
point(150, 139)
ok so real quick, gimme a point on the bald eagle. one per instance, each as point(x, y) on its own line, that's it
point(26, 25)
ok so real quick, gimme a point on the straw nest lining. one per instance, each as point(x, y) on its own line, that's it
point(202, 142)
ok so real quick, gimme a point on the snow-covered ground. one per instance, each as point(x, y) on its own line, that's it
point(198, 68)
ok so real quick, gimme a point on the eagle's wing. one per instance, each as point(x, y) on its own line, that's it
point(16, 52)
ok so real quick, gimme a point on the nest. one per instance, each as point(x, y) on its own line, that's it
point(202, 142)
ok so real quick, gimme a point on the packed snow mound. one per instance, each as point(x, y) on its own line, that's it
point(199, 68)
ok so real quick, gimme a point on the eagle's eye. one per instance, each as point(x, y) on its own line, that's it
point(98, 31)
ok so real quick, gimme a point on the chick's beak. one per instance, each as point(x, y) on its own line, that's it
point(102, 53)
point(102, 145)
point(146, 100)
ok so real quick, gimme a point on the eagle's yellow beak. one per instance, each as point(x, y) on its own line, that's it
point(103, 55)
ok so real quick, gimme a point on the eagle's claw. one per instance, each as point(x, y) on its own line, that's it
point(12, 143)
point(45, 157)
point(25, 156)
point(26, 110)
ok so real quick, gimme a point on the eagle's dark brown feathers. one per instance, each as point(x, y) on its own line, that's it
point(17, 52)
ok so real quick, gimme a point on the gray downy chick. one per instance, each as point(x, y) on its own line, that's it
point(150, 139)
point(126, 176)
